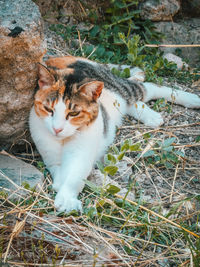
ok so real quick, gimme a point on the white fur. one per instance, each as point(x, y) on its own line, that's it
point(71, 154)
point(58, 121)
point(71, 161)
point(141, 112)
point(185, 99)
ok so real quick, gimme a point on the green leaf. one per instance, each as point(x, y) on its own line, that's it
point(109, 54)
point(111, 158)
point(112, 189)
point(111, 170)
point(26, 185)
point(148, 154)
point(94, 31)
point(168, 141)
point(146, 135)
point(135, 147)
point(168, 148)
point(115, 149)
point(121, 155)
point(197, 139)
point(168, 165)
point(172, 157)
point(100, 51)
point(100, 166)
point(125, 147)
point(92, 186)
point(88, 49)
point(180, 153)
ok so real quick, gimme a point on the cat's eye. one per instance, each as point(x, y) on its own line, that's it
point(73, 113)
point(49, 110)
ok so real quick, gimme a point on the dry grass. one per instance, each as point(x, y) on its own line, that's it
point(162, 230)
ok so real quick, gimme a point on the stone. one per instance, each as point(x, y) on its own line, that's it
point(14, 172)
point(177, 60)
point(191, 8)
point(156, 10)
point(137, 74)
point(21, 48)
point(182, 32)
point(99, 180)
point(71, 12)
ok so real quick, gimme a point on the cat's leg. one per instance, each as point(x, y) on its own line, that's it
point(141, 112)
point(48, 146)
point(185, 99)
point(55, 174)
point(50, 151)
point(76, 166)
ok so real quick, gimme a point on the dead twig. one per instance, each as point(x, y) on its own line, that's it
point(172, 45)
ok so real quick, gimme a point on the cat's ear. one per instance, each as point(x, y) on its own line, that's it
point(46, 79)
point(92, 89)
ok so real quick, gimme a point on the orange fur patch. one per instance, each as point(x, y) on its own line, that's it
point(61, 62)
point(39, 109)
point(81, 99)
point(80, 120)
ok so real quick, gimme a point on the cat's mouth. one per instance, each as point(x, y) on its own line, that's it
point(62, 133)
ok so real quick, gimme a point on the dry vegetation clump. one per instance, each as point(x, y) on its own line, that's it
point(159, 227)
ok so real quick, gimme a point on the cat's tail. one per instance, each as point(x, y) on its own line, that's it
point(153, 91)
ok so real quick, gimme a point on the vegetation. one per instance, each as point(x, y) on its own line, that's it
point(148, 214)
point(120, 38)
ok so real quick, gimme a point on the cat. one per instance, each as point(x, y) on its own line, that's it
point(77, 107)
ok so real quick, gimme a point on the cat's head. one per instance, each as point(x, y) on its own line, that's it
point(64, 105)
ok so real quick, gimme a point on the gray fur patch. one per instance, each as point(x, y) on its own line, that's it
point(105, 119)
point(131, 91)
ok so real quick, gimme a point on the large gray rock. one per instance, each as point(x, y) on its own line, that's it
point(21, 47)
point(157, 10)
point(182, 32)
point(15, 172)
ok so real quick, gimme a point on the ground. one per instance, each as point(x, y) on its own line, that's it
point(154, 222)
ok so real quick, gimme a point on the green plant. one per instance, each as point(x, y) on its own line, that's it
point(194, 248)
point(162, 105)
point(159, 153)
point(120, 37)
point(134, 50)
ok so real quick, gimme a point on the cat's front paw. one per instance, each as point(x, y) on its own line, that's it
point(153, 119)
point(67, 202)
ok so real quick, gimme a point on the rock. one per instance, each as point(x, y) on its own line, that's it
point(137, 74)
point(124, 169)
point(71, 12)
point(182, 32)
point(177, 60)
point(159, 10)
point(51, 9)
point(191, 8)
point(98, 178)
point(46, 6)
point(14, 172)
point(21, 48)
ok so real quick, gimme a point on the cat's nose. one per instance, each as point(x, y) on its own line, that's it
point(57, 130)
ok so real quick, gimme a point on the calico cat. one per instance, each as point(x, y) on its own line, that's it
point(76, 110)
